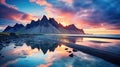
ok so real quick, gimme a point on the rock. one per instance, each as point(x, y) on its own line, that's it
point(74, 50)
point(71, 55)
point(66, 48)
point(69, 51)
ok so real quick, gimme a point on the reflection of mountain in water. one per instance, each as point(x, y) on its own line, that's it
point(42, 44)
point(48, 43)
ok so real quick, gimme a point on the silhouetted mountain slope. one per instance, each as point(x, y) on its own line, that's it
point(44, 26)
point(73, 29)
point(15, 28)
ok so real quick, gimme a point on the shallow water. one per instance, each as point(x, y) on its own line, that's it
point(44, 51)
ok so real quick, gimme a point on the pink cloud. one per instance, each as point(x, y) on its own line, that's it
point(82, 18)
point(11, 12)
point(61, 16)
point(8, 5)
point(68, 1)
point(44, 65)
point(41, 2)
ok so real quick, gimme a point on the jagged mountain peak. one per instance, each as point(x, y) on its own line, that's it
point(51, 19)
point(15, 28)
point(18, 25)
point(44, 18)
point(7, 28)
point(72, 27)
point(33, 21)
point(44, 25)
point(38, 20)
point(53, 22)
point(44, 21)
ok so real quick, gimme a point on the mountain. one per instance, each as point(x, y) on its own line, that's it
point(73, 29)
point(44, 26)
point(15, 28)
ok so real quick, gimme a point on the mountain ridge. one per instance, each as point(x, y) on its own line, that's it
point(45, 25)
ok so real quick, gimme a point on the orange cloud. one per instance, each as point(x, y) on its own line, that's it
point(62, 17)
point(101, 31)
point(65, 16)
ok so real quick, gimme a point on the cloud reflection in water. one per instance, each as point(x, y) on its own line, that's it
point(46, 53)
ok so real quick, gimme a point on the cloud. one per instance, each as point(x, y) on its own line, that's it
point(79, 59)
point(11, 55)
point(41, 2)
point(60, 58)
point(1, 28)
point(8, 5)
point(68, 1)
point(44, 65)
point(11, 12)
point(84, 13)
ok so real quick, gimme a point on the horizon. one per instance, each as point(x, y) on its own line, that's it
point(86, 15)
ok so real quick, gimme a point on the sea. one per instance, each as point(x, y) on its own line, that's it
point(61, 50)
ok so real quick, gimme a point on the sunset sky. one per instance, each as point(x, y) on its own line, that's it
point(94, 16)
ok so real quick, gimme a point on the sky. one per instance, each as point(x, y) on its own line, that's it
point(90, 15)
